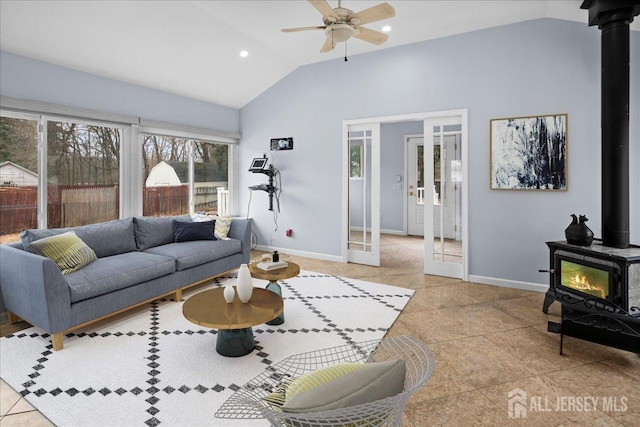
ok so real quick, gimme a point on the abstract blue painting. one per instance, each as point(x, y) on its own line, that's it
point(529, 153)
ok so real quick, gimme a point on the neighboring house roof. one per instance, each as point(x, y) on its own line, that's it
point(25, 170)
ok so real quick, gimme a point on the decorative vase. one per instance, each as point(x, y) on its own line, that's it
point(244, 285)
point(577, 233)
point(229, 293)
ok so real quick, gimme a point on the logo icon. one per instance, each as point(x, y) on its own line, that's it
point(517, 400)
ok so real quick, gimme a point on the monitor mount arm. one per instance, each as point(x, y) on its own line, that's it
point(269, 188)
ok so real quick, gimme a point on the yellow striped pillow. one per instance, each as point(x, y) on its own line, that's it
point(67, 250)
point(340, 386)
point(222, 228)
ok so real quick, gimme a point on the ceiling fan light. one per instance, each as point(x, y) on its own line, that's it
point(244, 53)
point(339, 32)
point(386, 28)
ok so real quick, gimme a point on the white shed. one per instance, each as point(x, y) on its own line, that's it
point(14, 175)
point(162, 174)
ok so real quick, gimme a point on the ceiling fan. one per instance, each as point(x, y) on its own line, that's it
point(340, 24)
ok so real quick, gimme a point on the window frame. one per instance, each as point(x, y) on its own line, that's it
point(130, 155)
point(192, 137)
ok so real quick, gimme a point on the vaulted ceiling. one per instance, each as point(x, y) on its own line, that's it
point(191, 48)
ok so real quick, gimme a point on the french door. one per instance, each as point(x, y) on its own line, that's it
point(439, 191)
point(363, 193)
point(443, 219)
point(415, 184)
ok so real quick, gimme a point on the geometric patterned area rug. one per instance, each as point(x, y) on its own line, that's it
point(153, 367)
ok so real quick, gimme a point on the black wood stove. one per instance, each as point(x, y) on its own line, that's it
point(599, 285)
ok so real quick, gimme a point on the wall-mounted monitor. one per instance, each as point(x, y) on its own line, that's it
point(258, 164)
point(282, 143)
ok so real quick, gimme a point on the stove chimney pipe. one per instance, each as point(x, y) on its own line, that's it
point(613, 18)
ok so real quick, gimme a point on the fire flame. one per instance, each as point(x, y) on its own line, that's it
point(581, 283)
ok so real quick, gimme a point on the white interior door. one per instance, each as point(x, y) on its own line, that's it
point(363, 194)
point(415, 186)
point(444, 242)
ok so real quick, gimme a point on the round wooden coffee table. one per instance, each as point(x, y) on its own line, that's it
point(232, 320)
point(291, 270)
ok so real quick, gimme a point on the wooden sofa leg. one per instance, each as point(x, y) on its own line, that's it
point(56, 340)
point(177, 296)
point(12, 317)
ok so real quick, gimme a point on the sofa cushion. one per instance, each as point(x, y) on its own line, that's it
point(192, 231)
point(117, 272)
point(155, 231)
point(67, 250)
point(105, 238)
point(191, 254)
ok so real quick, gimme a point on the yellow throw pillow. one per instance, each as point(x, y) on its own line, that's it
point(67, 250)
point(222, 228)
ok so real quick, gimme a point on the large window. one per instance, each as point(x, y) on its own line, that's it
point(184, 175)
point(18, 176)
point(63, 171)
point(83, 169)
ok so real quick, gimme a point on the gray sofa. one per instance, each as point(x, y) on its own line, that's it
point(137, 262)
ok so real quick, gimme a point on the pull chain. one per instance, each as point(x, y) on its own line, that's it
point(345, 51)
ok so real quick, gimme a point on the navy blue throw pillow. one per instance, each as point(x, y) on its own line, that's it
point(190, 231)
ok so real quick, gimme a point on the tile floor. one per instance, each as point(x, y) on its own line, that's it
point(487, 340)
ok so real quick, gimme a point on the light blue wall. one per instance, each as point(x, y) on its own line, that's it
point(536, 67)
point(25, 78)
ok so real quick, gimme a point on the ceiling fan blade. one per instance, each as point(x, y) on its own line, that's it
point(291, 30)
point(328, 45)
point(323, 7)
point(373, 14)
point(371, 36)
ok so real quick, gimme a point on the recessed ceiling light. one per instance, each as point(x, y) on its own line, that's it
point(386, 28)
point(244, 53)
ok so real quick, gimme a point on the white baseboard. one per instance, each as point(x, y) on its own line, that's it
point(396, 232)
point(505, 283)
point(305, 254)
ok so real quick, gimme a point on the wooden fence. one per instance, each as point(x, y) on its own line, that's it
point(69, 206)
point(84, 205)
point(166, 200)
point(18, 209)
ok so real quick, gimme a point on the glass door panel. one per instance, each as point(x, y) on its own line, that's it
point(443, 168)
point(415, 181)
point(447, 198)
point(363, 240)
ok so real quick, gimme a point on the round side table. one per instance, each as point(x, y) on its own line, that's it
point(291, 270)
